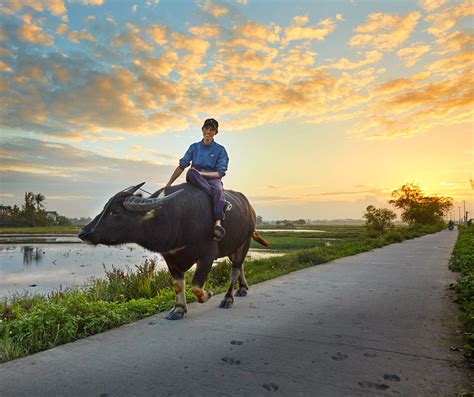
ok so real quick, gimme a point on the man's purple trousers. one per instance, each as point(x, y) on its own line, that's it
point(213, 187)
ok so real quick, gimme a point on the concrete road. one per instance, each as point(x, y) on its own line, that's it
point(378, 323)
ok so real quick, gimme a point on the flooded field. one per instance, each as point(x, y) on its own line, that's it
point(43, 267)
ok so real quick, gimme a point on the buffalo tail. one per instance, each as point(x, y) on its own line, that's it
point(260, 240)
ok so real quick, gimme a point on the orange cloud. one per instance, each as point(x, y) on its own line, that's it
point(344, 64)
point(300, 20)
point(4, 67)
point(74, 36)
point(323, 28)
point(159, 34)
point(455, 41)
point(444, 20)
point(410, 55)
point(257, 31)
point(215, 10)
point(385, 32)
point(33, 34)
point(88, 2)
point(430, 5)
point(56, 7)
point(133, 39)
point(206, 31)
point(162, 65)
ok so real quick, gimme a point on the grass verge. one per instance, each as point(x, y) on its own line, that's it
point(32, 323)
point(462, 261)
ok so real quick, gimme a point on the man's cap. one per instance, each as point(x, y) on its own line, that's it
point(212, 123)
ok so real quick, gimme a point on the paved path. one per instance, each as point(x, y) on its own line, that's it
point(378, 323)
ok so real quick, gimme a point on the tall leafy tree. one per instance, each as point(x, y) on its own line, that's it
point(419, 208)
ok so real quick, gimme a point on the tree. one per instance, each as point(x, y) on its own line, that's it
point(39, 198)
point(32, 212)
point(259, 220)
point(418, 208)
point(379, 219)
point(63, 221)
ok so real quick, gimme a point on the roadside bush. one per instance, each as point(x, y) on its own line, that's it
point(462, 261)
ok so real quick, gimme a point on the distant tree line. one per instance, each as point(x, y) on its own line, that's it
point(31, 213)
point(416, 208)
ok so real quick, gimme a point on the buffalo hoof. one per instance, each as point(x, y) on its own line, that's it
point(176, 313)
point(242, 291)
point(226, 303)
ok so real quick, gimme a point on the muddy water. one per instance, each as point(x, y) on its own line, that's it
point(43, 267)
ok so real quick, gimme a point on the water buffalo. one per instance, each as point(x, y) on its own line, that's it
point(179, 225)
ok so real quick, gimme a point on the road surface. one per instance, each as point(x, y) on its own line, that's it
point(377, 323)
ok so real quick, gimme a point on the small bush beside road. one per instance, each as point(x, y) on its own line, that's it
point(462, 261)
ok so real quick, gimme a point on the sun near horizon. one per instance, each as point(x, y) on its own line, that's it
point(324, 107)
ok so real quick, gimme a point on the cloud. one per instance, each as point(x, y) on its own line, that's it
point(344, 64)
point(416, 108)
point(430, 5)
point(5, 68)
point(159, 34)
point(206, 31)
point(47, 167)
point(55, 7)
point(32, 33)
point(134, 40)
point(385, 32)
point(410, 55)
point(216, 11)
point(300, 20)
point(455, 41)
point(88, 2)
point(74, 36)
point(442, 21)
point(252, 31)
point(320, 32)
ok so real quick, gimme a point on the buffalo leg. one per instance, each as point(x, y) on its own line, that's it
point(203, 267)
point(237, 273)
point(243, 285)
point(180, 307)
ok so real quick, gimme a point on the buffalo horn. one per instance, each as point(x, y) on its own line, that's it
point(140, 204)
point(133, 189)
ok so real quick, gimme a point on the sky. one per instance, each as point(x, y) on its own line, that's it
point(324, 107)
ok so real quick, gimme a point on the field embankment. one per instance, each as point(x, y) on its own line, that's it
point(41, 230)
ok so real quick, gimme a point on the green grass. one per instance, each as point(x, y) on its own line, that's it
point(462, 261)
point(32, 323)
point(41, 230)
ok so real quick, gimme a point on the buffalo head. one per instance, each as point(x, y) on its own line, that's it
point(122, 215)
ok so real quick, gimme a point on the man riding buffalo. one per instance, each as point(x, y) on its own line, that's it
point(209, 165)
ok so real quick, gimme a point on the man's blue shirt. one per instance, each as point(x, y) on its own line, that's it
point(206, 158)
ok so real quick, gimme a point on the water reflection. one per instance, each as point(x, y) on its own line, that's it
point(31, 254)
point(45, 267)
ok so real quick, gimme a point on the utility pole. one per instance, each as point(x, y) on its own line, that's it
point(459, 208)
point(465, 214)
